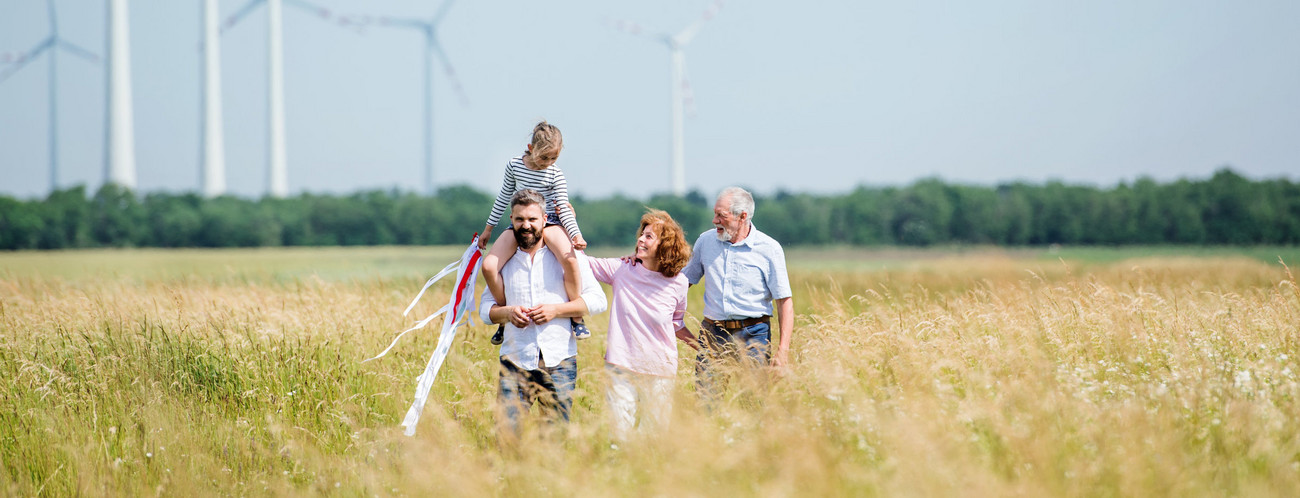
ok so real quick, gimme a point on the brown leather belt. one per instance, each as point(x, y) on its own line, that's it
point(737, 324)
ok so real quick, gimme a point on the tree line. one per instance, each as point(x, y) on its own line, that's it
point(1224, 209)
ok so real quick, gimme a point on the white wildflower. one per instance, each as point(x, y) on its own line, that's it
point(1242, 379)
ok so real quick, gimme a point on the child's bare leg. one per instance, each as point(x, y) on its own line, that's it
point(502, 251)
point(560, 245)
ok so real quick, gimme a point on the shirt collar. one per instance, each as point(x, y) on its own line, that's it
point(748, 238)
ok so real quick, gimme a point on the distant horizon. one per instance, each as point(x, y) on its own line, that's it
point(707, 194)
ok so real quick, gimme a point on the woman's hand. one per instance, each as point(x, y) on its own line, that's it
point(686, 336)
point(483, 239)
point(579, 243)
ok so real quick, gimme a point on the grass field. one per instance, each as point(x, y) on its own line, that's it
point(948, 372)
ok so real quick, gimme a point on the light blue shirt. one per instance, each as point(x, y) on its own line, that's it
point(743, 278)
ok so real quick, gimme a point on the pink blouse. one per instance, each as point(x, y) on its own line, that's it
point(644, 315)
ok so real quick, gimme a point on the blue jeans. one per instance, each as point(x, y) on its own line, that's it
point(748, 346)
point(552, 387)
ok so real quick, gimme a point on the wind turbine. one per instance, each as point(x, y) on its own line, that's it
point(680, 87)
point(119, 148)
point(52, 43)
point(429, 29)
point(212, 180)
point(277, 172)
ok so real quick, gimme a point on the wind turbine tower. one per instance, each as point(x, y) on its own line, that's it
point(278, 175)
point(680, 87)
point(431, 49)
point(52, 43)
point(119, 153)
point(213, 178)
point(277, 171)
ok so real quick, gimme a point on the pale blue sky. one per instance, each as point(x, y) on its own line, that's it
point(811, 96)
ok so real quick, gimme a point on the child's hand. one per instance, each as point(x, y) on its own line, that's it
point(483, 239)
point(579, 243)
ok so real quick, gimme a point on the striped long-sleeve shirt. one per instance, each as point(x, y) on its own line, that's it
point(549, 182)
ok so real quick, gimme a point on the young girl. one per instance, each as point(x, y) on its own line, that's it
point(536, 170)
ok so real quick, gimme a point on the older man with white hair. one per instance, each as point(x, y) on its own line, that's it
point(744, 274)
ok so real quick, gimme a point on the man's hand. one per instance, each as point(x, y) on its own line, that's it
point(519, 316)
point(781, 359)
point(542, 313)
point(483, 239)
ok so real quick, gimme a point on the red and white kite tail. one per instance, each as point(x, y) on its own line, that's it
point(461, 305)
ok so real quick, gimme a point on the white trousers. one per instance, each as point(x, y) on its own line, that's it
point(631, 394)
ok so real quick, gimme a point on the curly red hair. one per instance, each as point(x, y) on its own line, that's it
point(673, 252)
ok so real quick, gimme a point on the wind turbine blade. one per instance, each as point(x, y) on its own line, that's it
point(354, 23)
point(78, 51)
point(633, 29)
point(687, 34)
point(357, 22)
point(442, 11)
point(451, 72)
point(322, 12)
point(26, 58)
point(240, 14)
point(395, 22)
point(639, 31)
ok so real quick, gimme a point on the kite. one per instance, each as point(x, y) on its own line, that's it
point(459, 308)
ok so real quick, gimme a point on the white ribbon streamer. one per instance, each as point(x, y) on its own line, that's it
point(457, 311)
point(453, 266)
point(419, 325)
point(461, 302)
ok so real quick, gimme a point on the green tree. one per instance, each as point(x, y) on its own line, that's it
point(66, 216)
point(172, 220)
point(118, 219)
point(21, 225)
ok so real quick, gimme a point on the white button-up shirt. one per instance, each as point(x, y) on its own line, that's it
point(530, 280)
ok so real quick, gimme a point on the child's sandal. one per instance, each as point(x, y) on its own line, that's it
point(580, 331)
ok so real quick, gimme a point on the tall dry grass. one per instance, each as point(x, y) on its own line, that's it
point(973, 375)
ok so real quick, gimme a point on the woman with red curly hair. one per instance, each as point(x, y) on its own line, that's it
point(645, 319)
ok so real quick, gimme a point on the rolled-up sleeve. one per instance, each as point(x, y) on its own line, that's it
point(592, 294)
point(679, 311)
point(694, 269)
point(779, 285)
point(485, 304)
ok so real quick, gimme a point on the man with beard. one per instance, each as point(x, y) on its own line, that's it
point(538, 353)
point(744, 273)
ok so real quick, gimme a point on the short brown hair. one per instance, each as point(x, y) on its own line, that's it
point(673, 252)
point(527, 197)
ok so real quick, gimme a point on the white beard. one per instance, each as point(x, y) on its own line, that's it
point(725, 235)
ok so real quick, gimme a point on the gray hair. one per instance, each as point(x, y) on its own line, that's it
point(741, 201)
point(527, 197)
